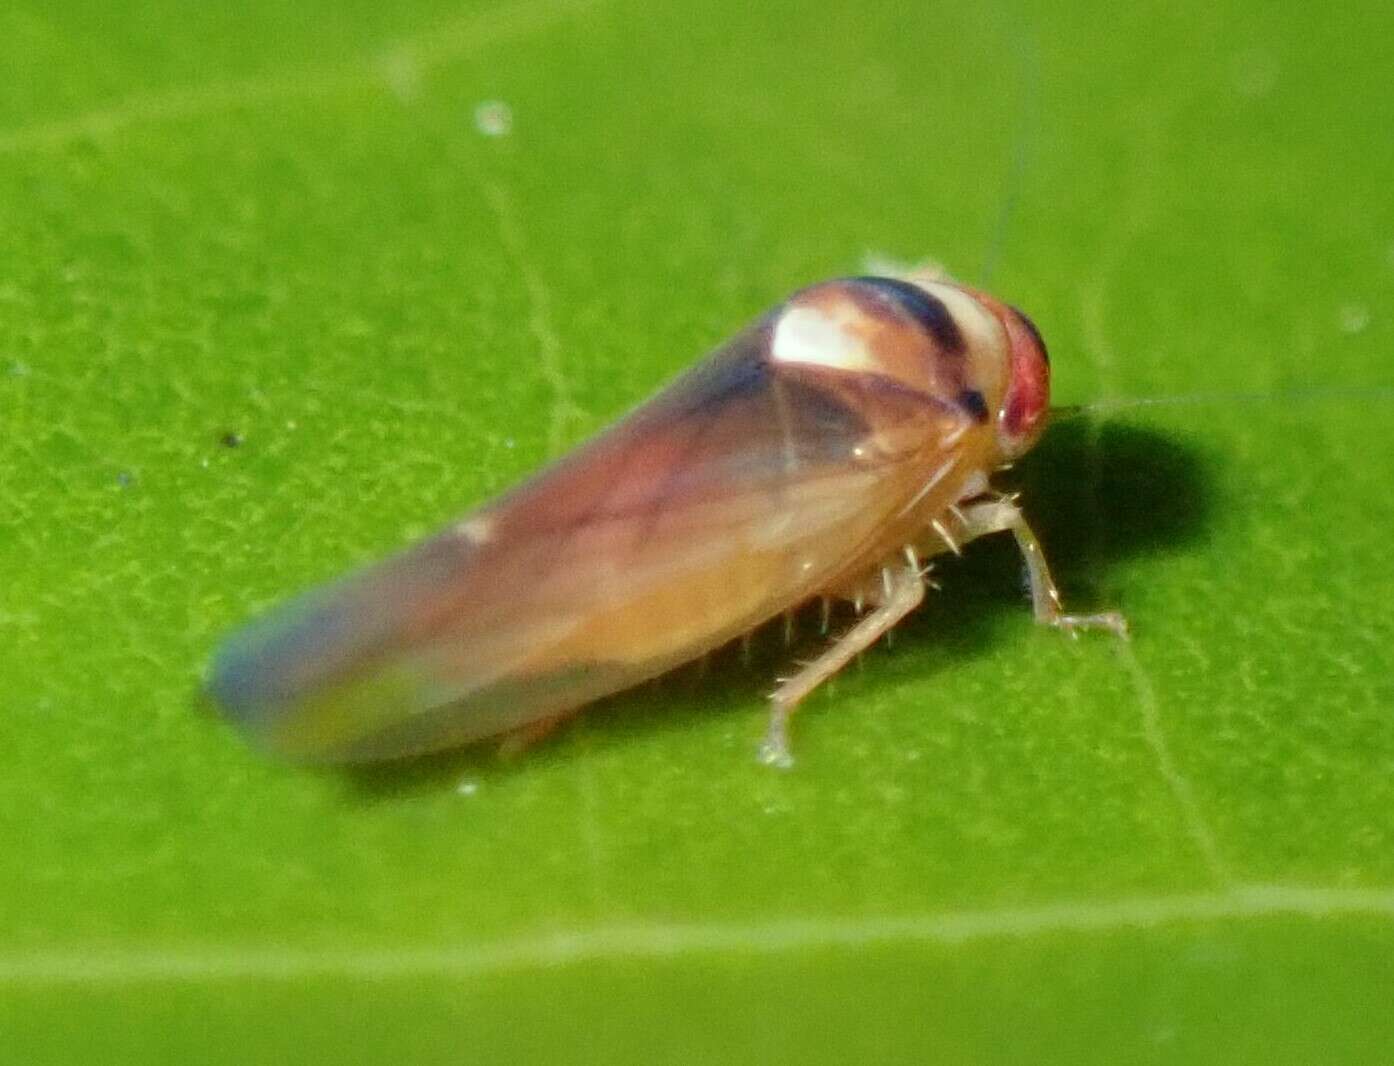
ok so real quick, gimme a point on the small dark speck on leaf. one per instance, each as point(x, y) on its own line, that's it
point(125, 479)
point(231, 439)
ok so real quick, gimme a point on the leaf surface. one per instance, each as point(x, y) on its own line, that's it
point(278, 296)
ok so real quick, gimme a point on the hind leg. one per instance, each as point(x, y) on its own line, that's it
point(902, 592)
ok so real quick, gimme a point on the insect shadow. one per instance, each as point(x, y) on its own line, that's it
point(1095, 493)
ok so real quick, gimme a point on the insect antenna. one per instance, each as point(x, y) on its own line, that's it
point(1315, 394)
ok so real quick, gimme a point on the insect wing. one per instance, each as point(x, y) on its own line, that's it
point(738, 491)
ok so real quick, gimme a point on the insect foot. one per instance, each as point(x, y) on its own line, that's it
point(774, 749)
point(1114, 622)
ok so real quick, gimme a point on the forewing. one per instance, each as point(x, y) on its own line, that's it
point(736, 492)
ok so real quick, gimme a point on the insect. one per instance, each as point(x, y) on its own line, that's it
point(827, 450)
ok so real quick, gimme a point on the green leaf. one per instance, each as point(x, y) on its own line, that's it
point(277, 296)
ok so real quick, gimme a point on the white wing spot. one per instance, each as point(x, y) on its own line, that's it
point(809, 335)
point(476, 530)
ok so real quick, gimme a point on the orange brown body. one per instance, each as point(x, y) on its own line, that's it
point(822, 452)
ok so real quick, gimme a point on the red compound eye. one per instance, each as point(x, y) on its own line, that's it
point(1027, 400)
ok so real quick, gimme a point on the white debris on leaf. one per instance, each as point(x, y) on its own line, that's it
point(1353, 318)
point(493, 118)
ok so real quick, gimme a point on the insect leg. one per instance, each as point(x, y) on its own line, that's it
point(1003, 515)
point(904, 592)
